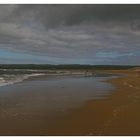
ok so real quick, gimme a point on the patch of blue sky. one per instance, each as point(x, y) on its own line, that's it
point(17, 57)
point(9, 56)
point(113, 54)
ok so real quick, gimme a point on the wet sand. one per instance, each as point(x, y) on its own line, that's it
point(118, 114)
point(38, 105)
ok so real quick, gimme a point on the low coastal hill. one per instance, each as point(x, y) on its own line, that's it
point(66, 66)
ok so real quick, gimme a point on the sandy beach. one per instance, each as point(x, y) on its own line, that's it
point(25, 112)
point(118, 115)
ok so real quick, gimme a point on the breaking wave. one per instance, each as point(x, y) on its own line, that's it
point(11, 79)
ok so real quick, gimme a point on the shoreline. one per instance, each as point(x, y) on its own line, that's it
point(34, 107)
point(116, 116)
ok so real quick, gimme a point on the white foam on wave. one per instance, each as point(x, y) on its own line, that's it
point(11, 79)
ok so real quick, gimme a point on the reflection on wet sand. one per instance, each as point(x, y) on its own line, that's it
point(117, 115)
point(38, 105)
point(72, 106)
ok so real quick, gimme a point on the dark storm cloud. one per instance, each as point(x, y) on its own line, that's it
point(72, 31)
point(55, 15)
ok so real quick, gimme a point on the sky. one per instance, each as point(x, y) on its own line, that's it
point(70, 34)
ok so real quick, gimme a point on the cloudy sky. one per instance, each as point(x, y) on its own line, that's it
point(70, 34)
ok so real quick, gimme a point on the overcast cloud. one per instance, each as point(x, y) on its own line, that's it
point(91, 34)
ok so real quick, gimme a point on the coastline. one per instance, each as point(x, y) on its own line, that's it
point(116, 116)
point(35, 106)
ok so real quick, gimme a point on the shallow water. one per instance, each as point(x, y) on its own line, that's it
point(42, 101)
point(56, 93)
